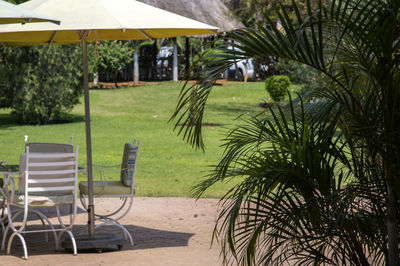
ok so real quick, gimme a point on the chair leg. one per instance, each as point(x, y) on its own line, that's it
point(10, 225)
point(124, 230)
point(42, 216)
point(75, 250)
point(15, 233)
point(120, 209)
point(3, 215)
point(3, 242)
point(22, 241)
point(83, 201)
point(59, 216)
point(4, 221)
point(105, 218)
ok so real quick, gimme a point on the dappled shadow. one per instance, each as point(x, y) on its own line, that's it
point(7, 120)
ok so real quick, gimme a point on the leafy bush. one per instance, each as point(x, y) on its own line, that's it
point(299, 74)
point(40, 83)
point(277, 86)
point(113, 57)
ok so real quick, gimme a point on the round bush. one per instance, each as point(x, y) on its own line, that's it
point(277, 86)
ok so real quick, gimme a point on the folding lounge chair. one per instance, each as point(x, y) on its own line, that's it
point(48, 178)
point(123, 189)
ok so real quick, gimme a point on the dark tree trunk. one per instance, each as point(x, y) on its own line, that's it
point(187, 54)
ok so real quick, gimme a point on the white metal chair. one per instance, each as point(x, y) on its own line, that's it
point(3, 215)
point(48, 178)
point(124, 189)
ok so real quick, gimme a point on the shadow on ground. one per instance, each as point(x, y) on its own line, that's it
point(143, 238)
point(10, 120)
point(236, 108)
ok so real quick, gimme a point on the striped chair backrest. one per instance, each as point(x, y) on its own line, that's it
point(129, 162)
point(48, 173)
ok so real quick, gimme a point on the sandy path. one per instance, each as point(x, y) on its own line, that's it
point(166, 231)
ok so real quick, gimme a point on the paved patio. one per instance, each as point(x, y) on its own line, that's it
point(166, 231)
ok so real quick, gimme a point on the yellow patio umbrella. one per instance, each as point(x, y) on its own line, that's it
point(95, 20)
point(10, 13)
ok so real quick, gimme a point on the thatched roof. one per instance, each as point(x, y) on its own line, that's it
point(212, 12)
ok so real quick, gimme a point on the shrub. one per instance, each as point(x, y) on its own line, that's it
point(40, 83)
point(298, 73)
point(113, 57)
point(277, 86)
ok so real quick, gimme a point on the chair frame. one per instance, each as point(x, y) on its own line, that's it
point(127, 202)
point(25, 208)
point(3, 215)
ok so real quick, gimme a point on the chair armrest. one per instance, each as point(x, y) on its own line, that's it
point(104, 172)
point(9, 180)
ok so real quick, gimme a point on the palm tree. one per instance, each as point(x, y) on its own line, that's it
point(318, 182)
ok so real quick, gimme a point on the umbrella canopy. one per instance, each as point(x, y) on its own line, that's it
point(10, 13)
point(92, 20)
point(104, 19)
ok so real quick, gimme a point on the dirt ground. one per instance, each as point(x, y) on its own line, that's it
point(166, 231)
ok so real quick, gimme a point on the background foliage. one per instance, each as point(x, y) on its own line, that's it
point(112, 57)
point(40, 83)
point(299, 73)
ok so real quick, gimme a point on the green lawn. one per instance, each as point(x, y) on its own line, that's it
point(167, 165)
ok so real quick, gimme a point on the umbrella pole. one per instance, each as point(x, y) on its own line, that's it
point(91, 218)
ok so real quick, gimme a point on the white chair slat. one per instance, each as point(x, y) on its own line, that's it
point(45, 189)
point(52, 172)
point(51, 164)
point(58, 155)
point(51, 180)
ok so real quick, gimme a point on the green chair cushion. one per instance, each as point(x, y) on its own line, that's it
point(105, 188)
